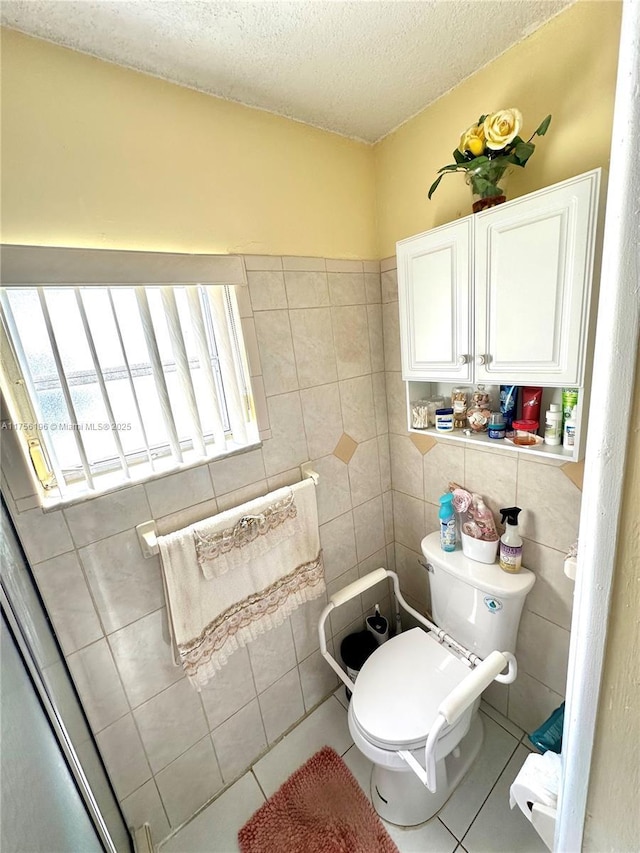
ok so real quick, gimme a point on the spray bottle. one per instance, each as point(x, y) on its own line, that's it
point(511, 541)
point(447, 523)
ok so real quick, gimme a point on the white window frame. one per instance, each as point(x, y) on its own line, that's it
point(42, 266)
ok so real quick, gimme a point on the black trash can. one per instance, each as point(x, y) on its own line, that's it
point(354, 650)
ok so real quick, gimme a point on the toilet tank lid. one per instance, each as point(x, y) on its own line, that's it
point(484, 576)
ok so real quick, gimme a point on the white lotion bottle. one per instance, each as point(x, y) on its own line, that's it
point(553, 425)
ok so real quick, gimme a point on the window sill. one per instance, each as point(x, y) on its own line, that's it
point(105, 484)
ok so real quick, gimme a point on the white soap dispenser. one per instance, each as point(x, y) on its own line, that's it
point(511, 541)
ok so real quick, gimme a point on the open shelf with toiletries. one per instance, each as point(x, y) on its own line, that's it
point(504, 296)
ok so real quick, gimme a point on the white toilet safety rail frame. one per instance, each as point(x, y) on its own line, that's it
point(452, 707)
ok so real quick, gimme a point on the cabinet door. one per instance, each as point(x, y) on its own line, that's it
point(434, 294)
point(533, 273)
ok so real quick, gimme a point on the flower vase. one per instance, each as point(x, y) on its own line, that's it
point(488, 184)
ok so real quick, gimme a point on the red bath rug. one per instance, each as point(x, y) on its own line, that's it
point(319, 809)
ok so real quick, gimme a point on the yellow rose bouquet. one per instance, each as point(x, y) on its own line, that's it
point(487, 149)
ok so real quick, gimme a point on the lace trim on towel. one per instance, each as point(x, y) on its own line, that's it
point(209, 546)
point(247, 613)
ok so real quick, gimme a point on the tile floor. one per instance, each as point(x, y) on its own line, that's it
point(476, 819)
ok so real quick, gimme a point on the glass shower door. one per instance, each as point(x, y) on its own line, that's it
point(56, 795)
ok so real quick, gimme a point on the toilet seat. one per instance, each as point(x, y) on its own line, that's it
point(400, 687)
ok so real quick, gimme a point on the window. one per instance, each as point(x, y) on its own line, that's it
point(111, 383)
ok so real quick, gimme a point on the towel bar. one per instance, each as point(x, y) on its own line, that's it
point(148, 534)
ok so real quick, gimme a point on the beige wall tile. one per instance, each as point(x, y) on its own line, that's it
point(389, 281)
point(262, 262)
point(230, 690)
point(333, 492)
point(174, 492)
point(251, 346)
point(276, 352)
point(317, 679)
point(493, 477)
point(288, 445)
point(97, 681)
point(552, 593)
point(551, 503)
point(376, 344)
point(185, 517)
point(124, 584)
point(358, 414)
point(408, 520)
point(443, 464)
point(543, 651)
point(322, 418)
point(304, 624)
point(372, 286)
point(267, 290)
point(374, 594)
point(243, 298)
point(380, 403)
point(391, 324)
point(189, 781)
point(98, 518)
point(387, 508)
point(345, 448)
point(350, 610)
point(412, 577)
point(388, 263)
point(345, 266)
point(271, 655)
point(144, 659)
point(243, 495)
point(307, 289)
point(313, 345)
point(396, 403)
point(281, 705)
point(351, 336)
point(406, 466)
point(364, 473)
point(121, 749)
point(43, 534)
point(369, 527)
point(68, 601)
point(385, 462)
point(531, 702)
point(300, 263)
point(346, 288)
point(239, 741)
point(497, 695)
point(371, 266)
point(338, 541)
point(170, 723)
point(145, 806)
point(237, 471)
point(260, 403)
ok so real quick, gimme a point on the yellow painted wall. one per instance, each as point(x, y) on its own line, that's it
point(97, 155)
point(567, 68)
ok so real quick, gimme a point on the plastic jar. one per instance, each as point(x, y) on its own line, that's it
point(433, 404)
point(525, 432)
point(496, 428)
point(459, 401)
point(444, 420)
point(420, 414)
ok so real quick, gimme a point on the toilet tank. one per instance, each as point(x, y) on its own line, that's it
point(478, 604)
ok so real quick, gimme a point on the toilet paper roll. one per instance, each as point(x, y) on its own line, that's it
point(537, 782)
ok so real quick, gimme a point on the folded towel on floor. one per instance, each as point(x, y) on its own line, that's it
point(233, 538)
point(210, 619)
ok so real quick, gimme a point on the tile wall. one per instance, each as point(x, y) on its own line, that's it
point(421, 471)
point(323, 344)
point(313, 330)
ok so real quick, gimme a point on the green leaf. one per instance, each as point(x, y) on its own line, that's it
point(477, 161)
point(544, 127)
point(523, 151)
point(434, 186)
point(450, 168)
point(482, 118)
point(459, 157)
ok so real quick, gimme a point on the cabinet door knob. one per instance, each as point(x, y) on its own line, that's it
point(481, 359)
point(463, 359)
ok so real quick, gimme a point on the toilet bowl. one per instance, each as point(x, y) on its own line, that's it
point(413, 712)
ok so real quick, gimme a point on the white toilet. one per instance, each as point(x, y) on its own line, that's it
point(414, 707)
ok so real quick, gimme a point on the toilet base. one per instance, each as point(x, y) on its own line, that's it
point(400, 797)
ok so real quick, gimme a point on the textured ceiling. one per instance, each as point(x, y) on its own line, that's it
point(356, 68)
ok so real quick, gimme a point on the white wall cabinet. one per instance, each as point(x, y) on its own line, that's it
point(502, 296)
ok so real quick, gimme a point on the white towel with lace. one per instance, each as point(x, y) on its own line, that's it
point(233, 538)
point(210, 619)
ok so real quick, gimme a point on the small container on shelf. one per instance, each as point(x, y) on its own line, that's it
point(434, 403)
point(496, 428)
point(525, 433)
point(459, 402)
point(444, 420)
point(479, 411)
point(420, 414)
